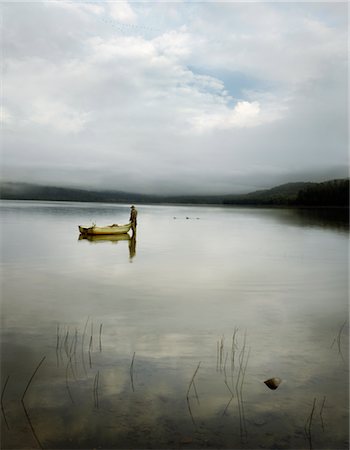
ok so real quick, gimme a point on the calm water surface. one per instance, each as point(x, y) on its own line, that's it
point(165, 341)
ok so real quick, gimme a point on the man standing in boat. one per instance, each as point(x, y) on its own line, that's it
point(133, 219)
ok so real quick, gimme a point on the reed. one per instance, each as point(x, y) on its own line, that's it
point(225, 377)
point(217, 355)
point(192, 383)
point(90, 346)
point(192, 380)
point(100, 337)
point(32, 427)
point(195, 392)
point(243, 362)
point(31, 378)
point(308, 424)
point(84, 332)
point(66, 343)
point(95, 389)
point(221, 352)
point(321, 412)
point(233, 349)
point(132, 372)
point(337, 339)
point(2, 398)
point(82, 345)
point(245, 369)
point(91, 334)
point(75, 341)
point(57, 337)
point(69, 364)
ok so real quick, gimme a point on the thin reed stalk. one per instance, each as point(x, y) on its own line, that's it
point(82, 345)
point(217, 354)
point(2, 398)
point(91, 334)
point(233, 350)
point(100, 337)
point(31, 426)
point(95, 389)
point(57, 337)
point(321, 412)
point(192, 379)
point(308, 424)
point(221, 352)
point(31, 378)
point(69, 364)
point(132, 372)
point(66, 343)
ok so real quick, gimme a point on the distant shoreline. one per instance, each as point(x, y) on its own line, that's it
point(329, 194)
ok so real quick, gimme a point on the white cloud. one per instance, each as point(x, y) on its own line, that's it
point(221, 90)
point(122, 12)
point(58, 116)
point(6, 117)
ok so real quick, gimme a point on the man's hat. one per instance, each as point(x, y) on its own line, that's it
point(132, 206)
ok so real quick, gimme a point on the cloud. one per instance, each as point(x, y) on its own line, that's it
point(213, 98)
point(58, 116)
point(122, 12)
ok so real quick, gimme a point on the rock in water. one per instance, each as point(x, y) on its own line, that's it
point(273, 383)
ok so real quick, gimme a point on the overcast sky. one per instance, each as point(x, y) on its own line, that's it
point(182, 97)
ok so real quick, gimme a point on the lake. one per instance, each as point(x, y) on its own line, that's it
point(165, 341)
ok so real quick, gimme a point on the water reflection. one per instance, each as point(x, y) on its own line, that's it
point(123, 341)
point(334, 219)
point(124, 401)
point(114, 239)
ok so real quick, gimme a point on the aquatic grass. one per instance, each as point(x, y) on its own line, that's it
point(131, 370)
point(100, 337)
point(233, 352)
point(91, 335)
point(66, 343)
point(308, 424)
point(221, 351)
point(72, 345)
point(321, 412)
point(23, 404)
point(90, 347)
point(337, 339)
point(192, 383)
point(69, 364)
point(2, 404)
point(82, 345)
point(192, 379)
point(95, 389)
point(217, 355)
point(31, 378)
point(57, 337)
point(243, 362)
point(57, 344)
point(31, 426)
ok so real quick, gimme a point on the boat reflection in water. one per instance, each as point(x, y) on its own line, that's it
point(114, 239)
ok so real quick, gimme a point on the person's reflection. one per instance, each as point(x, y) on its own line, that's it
point(132, 247)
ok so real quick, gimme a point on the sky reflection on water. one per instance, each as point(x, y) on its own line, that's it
point(279, 276)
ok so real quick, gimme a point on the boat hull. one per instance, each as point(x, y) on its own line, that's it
point(108, 230)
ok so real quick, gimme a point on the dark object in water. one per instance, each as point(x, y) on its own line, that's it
point(273, 383)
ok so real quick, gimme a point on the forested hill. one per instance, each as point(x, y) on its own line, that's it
point(330, 193)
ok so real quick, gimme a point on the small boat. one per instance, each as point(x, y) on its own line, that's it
point(109, 229)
